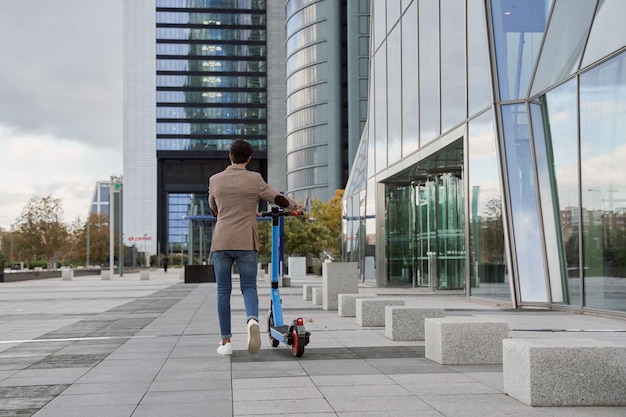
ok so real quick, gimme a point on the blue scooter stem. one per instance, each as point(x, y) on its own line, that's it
point(276, 214)
point(277, 308)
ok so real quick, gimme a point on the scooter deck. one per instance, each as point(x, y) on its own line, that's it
point(281, 329)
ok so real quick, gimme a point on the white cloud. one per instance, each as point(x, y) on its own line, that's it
point(43, 165)
point(60, 102)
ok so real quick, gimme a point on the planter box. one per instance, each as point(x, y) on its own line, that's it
point(195, 274)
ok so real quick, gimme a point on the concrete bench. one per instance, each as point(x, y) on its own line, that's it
point(317, 296)
point(67, 274)
point(464, 340)
point(347, 303)
point(407, 323)
point(564, 372)
point(338, 278)
point(307, 291)
point(371, 312)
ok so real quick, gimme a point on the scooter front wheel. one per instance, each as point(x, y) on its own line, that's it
point(270, 323)
point(297, 345)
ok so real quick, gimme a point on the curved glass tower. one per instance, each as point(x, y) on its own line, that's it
point(316, 115)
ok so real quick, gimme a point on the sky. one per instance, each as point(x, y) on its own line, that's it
point(60, 102)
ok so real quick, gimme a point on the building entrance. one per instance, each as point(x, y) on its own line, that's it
point(425, 223)
point(439, 232)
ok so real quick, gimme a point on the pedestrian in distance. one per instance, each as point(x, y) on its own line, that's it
point(234, 195)
point(165, 262)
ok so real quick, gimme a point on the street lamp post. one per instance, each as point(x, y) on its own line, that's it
point(145, 255)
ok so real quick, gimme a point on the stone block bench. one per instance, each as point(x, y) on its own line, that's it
point(307, 291)
point(407, 323)
point(564, 372)
point(67, 274)
point(317, 297)
point(464, 340)
point(338, 278)
point(371, 312)
point(347, 303)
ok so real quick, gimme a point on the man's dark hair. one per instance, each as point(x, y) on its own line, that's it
point(241, 151)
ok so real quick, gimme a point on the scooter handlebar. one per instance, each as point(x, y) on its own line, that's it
point(282, 213)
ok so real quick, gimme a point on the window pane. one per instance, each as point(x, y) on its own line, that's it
point(380, 105)
point(479, 85)
point(453, 88)
point(394, 97)
point(608, 32)
point(429, 71)
point(410, 116)
point(399, 224)
point(522, 188)
point(603, 172)
point(556, 148)
point(564, 42)
point(379, 22)
point(487, 256)
point(518, 27)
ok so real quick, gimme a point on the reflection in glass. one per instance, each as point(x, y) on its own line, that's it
point(380, 107)
point(549, 202)
point(522, 187)
point(410, 115)
point(370, 228)
point(210, 34)
point(453, 88)
point(379, 22)
point(399, 234)
point(440, 230)
point(564, 42)
point(556, 148)
point(603, 172)
point(487, 256)
point(429, 71)
point(608, 31)
point(394, 98)
point(478, 73)
point(518, 31)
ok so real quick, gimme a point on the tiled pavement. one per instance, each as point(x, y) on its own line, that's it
point(131, 347)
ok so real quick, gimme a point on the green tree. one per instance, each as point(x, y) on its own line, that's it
point(316, 231)
point(40, 233)
point(265, 241)
point(328, 215)
point(303, 236)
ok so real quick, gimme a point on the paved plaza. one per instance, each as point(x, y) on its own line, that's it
point(146, 348)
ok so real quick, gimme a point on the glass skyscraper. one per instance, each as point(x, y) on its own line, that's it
point(199, 74)
point(327, 57)
point(491, 160)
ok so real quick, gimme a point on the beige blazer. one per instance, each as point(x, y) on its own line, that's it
point(234, 195)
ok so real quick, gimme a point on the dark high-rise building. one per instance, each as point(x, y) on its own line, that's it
point(199, 74)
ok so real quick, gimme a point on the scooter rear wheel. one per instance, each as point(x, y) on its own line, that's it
point(297, 345)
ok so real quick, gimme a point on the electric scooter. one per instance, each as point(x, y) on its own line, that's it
point(294, 335)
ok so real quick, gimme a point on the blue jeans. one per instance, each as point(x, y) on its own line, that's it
point(247, 263)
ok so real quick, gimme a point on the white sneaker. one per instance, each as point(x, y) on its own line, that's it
point(226, 349)
point(254, 336)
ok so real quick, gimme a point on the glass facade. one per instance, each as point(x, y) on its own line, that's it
point(315, 98)
point(211, 71)
point(491, 162)
point(211, 88)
